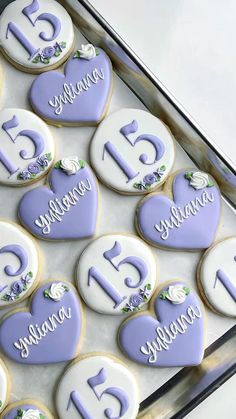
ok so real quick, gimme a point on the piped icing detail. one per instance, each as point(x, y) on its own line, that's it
point(70, 165)
point(176, 294)
point(56, 291)
point(198, 180)
point(87, 52)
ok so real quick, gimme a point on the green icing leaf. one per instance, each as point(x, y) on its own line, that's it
point(97, 51)
point(125, 310)
point(58, 164)
point(186, 290)
point(148, 286)
point(46, 294)
point(41, 416)
point(57, 53)
point(82, 163)
point(49, 156)
point(46, 61)
point(30, 274)
point(163, 168)
point(210, 184)
point(76, 54)
point(163, 295)
point(188, 175)
point(66, 288)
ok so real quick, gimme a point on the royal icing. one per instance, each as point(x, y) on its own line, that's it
point(26, 409)
point(97, 386)
point(80, 95)
point(19, 264)
point(116, 274)
point(50, 332)
point(27, 147)
point(132, 151)
point(66, 210)
point(189, 221)
point(174, 338)
point(217, 277)
point(36, 34)
point(3, 385)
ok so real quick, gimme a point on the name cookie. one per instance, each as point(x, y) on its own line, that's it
point(132, 151)
point(67, 209)
point(36, 35)
point(27, 147)
point(171, 334)
point(27, 409)
point(19, 264)
point(4, 386)
point(116, 274)
point(186, 217)
point(49, 332)
point(216, 277)
point(81, 95)
point(97, 386)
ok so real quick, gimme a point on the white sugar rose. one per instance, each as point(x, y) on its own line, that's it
point(87, 51)
point(199, 180)
point(176, 294)
point(70, 165)
point(56, 291)
point(31, 414)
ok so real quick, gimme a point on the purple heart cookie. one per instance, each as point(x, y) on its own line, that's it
point(81, 95)
point(66, 211)
point(50, 332)
point(174, 338)
point(190, 220)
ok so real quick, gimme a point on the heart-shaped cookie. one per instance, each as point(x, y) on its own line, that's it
point(80, 96)
point(50, 332)
point(174, 338)
point(66, 211)
point(190, 220)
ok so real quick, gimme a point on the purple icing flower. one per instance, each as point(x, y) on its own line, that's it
point(25, 174)
point(17, 287)
point(136, 300)
point(34, 168)
point(48, 52)
point(43, 161)
point(150, 179)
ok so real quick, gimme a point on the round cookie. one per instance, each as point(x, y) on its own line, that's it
point(132, 151)
point(27, 147)
point(171, 333)
point(81, 95)
point(36, 35)
point(97, 386)
point(116, 274)
point(216, 277)
point(4, 385)
point(67, 208)
point(50, 332)
point(19, 264)
point(185, 216)
point(27, 409)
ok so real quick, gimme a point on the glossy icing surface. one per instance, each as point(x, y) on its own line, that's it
point(116, 274)
point(217, 277)
point(50, 332)
point(30, 411)
point(132, 151)
point(3, 386)
point(36, 33)
point(172, 336)
point(97, 387)
point(27, 147)
point(189, 221)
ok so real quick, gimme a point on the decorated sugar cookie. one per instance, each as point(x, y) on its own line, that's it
point(36, 35)
point(4, 385)
point(132, 151)
point(27, 147)
point(19, 264)
point(81, 95)
point(27, 409)
point(49, 332)
point(186, 216)
point(67, 208)
point(216, 277)
point(171, 334)
point(97, 386)
point(116, 274)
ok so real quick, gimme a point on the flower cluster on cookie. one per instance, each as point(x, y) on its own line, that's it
point(29, 414)
point(136, 300)
point(18, 287)
point(198, 180)
point(150, 179)
point(176, 294)
point(70, 165)
point(45, 55)
point(36, 167)
point(56, 291)
point(87, 52)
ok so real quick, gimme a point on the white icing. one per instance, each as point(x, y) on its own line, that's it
point(13, 48)
point(199, 180)
point(94, 295)
point(3, 386)
point(31, 414)
point(11, 234)
point(106, 167)
point(57, 291)
point(37, 333)
point(70, 165)
point(176, 294)
point(166, 335)
point(118, 376)
point(178, 215)
point(220, 256)
point(87, 51)
point(70, 92)
point(27, 121)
